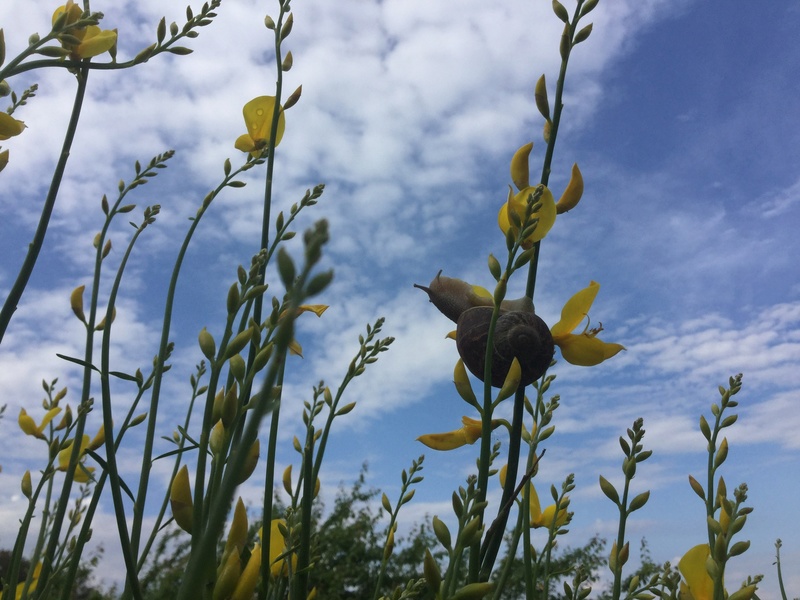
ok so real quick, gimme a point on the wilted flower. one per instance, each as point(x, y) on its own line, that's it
point(584, 349)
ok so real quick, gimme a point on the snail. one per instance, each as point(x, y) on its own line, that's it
point(519, 332)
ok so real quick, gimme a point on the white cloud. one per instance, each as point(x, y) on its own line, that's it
point(409, 113)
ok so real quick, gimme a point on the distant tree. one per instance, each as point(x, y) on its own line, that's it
point(590, 557)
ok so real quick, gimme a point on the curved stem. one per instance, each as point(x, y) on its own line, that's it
point(128, 553)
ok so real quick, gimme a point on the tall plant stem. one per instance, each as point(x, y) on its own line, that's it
point(273, 136)
point(14, 296)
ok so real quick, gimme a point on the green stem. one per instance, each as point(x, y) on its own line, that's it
point(551, 144)
point(273, 136)
point(623, 516)
point(14, 296)
point(269, 479)
point(300, 583)
point(194, 577)
point(493, 543)
point(128, 553)
point(158, 373)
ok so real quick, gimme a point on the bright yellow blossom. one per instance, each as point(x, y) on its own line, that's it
point(93, 40)
point(518, 203)
point(82, 473)
point(697, 583)
point(584, 349)
point(9, 126)
point(31, 588)
point(538, 517)
point(277, 549)
point(258, 119)
point(468, 434)
point(29, 426)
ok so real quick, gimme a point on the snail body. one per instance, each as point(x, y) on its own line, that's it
point(519, 332)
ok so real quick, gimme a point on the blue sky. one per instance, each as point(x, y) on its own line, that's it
point(682, 117)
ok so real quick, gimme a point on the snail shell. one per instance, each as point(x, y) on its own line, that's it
point(521, 335)
point(519, 332)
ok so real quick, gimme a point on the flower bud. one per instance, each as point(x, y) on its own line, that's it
point(26, 485)
point(217, 438)
point(207, 345)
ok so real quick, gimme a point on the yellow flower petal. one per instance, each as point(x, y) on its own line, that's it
point(468, 434)
point(65, 454)
point(250, 576)
point(74, 12)
point(520, 168)
point(83, 474)
point(99, 439)
point(472, 429)
point(9, 126)
point(546, 519)
point(28, 425)
point(237, 534)
point(575, 310)
point(534, 507)
point(518, 203)
point(585, 350)
point(277, 547)
point(693, 568)
point(295, 348)
point(317, 309)
point(180, 499)
point(258, 119)
point(96, 42)
point(444, 441)
point(245, 143)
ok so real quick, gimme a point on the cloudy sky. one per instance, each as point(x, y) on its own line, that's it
point(681, 115)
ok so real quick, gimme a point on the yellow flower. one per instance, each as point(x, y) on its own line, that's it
point(518, 203)
point(698, 584)
point(250, 576)
point(277, 550)
point(468, 434)
point(584, 349)
point(538, 517)
point(93, 41)
point(21, 586)
point(258, 119)
point(29, 426)
point(317, 309)
point(82, 473)
point(9, 126)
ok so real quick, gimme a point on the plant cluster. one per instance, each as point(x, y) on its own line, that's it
point(283, 548)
